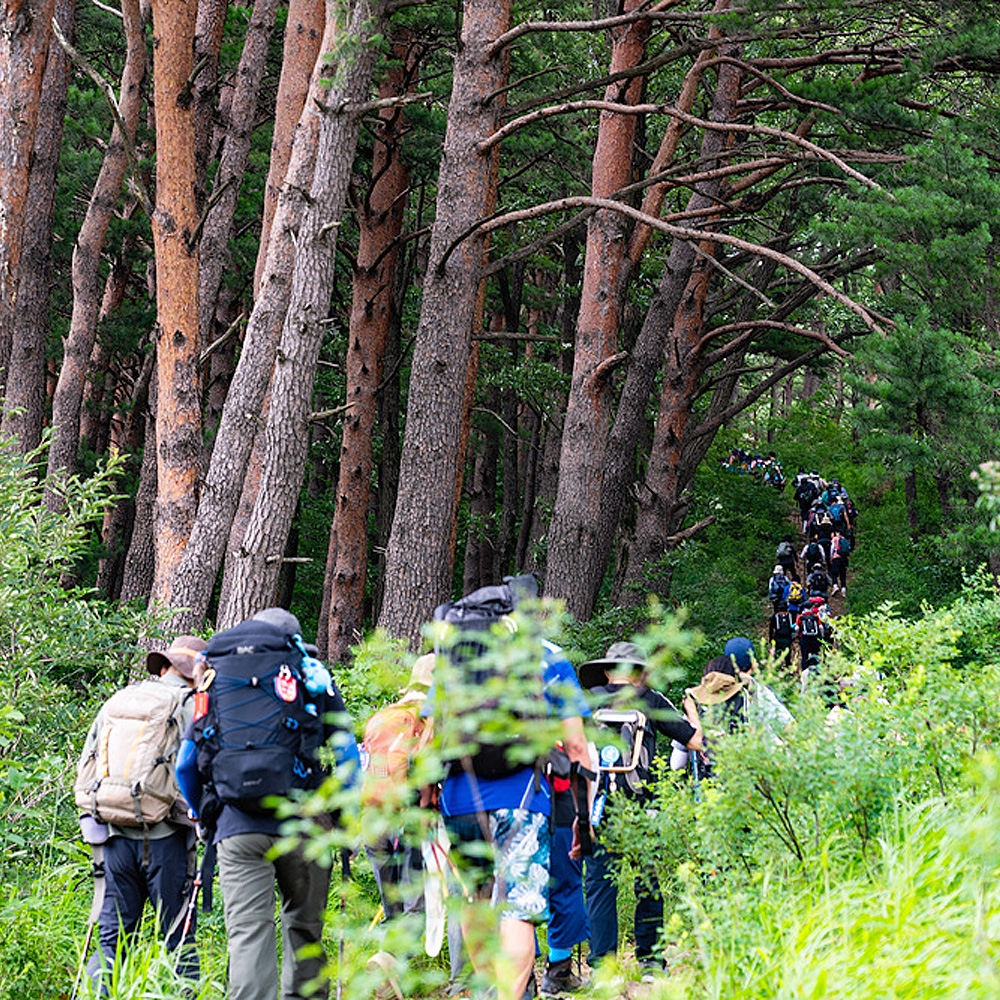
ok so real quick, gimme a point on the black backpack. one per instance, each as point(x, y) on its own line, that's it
point(783, 626)
point(815, 554)
point(471, 744)
point(259, 733)
point(810, 624)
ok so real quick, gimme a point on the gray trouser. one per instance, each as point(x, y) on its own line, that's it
point(247, 879)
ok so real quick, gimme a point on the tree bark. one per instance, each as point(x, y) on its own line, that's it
point(25, 30)
point(178, 418)
point(140, 560)
point(208, 33)
point(420, 553)
point(287, 431)
point(87, 252)
point(213, 252)
point(24, 400)
point(303, 35)
point(573, 541)
point(380, 222)
point(222, 487)
point(647, 355)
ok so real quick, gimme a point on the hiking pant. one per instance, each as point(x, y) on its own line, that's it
point(398, 871)
point(567, 915)
point(602, 907)
point(247, 878)
point(838, 570)
point(134, 871)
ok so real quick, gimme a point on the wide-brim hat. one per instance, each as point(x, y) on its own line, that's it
point(594, 673)
point(716, 687)
point(181, 654)
point(421, 678)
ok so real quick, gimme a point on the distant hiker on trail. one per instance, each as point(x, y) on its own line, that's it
point(818, 582)
point(812, 554)
point(265, 708)
point(127, 789)
point(840, 551)
point(781, 632)
point(776, 587)
point(793, 597)
point(811, 630)
point(618, 680)
point(784, 556)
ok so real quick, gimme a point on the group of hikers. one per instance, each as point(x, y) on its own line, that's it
point(802, 582)
point(226, 728)
point(764, 467)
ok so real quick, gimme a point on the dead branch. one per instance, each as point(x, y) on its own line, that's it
point(682, 536)
point(353, 108)
point(216, 344)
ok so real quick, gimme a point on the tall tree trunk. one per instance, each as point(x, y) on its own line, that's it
point(647, 355)
point(178, 417)
point(140, 560)
point(25, 30)
point(420, 553)
point(208, 33)
point(24, 400)
point(573, 541)
point(380, 222)
point(303, 36)
point(87, 263)
point(287, 431)
point(223, 482)
point(213, 252)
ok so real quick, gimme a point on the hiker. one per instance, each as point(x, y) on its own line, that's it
point(619, 680)
point(780, 633)
point(489, 798)
point(812, 631)
point(812, 553)
point(784, 556)
point(147, 855)
point(793, 597)
point(730, 681)
point(264, 685)
point(393, 737)
point(840, 551)
point(776, 586)
point(805, 493)
point(818, 582)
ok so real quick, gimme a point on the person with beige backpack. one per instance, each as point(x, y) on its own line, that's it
point(132, 812)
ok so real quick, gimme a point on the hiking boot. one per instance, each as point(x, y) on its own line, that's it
point(531, 989)
point(559, 978)
point(651, 967)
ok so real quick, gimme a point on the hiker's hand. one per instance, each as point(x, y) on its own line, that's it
point(202, 832)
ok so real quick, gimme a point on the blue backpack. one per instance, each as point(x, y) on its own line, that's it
point(776, 587)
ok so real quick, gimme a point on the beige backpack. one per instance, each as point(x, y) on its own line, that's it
point(127, 776)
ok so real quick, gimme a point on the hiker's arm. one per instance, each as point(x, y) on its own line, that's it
point(575, 740)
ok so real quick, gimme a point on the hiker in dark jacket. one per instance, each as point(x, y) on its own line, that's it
point(249, 869)
point(784, 556)
point(618, 680)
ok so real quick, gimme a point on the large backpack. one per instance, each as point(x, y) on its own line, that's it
point(785, 551)
point(776, 587)
point(815, 554)
point(783, 628)
point(127, 777)
point(630, 762)
point(843, 547)
point(257, 728)
point(479, 737)
point(793, 595)
point(809, 624)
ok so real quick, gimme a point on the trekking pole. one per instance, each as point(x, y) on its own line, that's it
point(345, 875)
point(696, 775)
point(95, 912)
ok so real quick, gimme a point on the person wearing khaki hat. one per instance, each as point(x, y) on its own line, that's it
point(619, 680)
point(153, 860)
point(181, 656)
